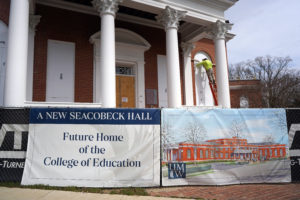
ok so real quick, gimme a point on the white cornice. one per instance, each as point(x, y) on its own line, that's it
point(69, 6)
point(153, 6)
point(193, 14)
point(242, 87)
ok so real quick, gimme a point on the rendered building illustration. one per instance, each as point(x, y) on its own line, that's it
point(224, 149)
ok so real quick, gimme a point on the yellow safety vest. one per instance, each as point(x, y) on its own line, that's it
point(206, 63)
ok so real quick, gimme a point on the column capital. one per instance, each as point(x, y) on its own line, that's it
point(34, 20)
point(106, 6)
point(187, 48)
point(219, 29)
point(170, 17)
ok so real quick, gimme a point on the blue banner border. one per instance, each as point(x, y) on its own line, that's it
point(95, 116)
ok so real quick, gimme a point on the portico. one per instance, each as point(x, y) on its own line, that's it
point(133, 47)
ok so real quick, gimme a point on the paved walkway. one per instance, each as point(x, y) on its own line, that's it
point(35, 194)
point(232, 192)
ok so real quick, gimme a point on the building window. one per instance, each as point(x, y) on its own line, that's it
point(275, 152)
point(199, 73)
point(221, 155)
point(124, 70)
point(244, 102)
point(226, 155)
point(266, 152)
point(195, 154)
point(206, 154)
point(211, 154)
point(188, 154)
point(281, 152)
point(201, 154)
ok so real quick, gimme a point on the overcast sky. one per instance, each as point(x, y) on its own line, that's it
point(264, 27)
point(258, 123)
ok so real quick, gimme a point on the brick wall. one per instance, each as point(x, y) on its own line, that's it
point(245, 88)
point(58, 24)
point(4, 10)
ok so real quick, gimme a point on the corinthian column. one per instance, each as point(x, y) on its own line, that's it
point(170, 19)
point(107, 72)
point(218, 31)
point(188, 84)
point(15, 82)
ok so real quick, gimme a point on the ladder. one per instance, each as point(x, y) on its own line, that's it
point(213, 90)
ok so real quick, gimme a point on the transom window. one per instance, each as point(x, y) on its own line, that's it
point(122, 70)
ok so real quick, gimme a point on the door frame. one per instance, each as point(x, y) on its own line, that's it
point(134, 67)
point(128, 52)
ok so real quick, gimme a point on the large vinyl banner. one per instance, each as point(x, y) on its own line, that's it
point(224, 146)
point(93, 147)
point(13, 143)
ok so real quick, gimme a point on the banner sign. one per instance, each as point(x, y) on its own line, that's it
point(293, 122)
point(13, 143)
point(224, 146)
point(93, 147)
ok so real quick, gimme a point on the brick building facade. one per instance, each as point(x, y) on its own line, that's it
point(144, 42)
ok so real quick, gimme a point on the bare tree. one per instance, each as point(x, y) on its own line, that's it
point(195, 132)
point(166, 137)
point(280, 82)
point(269, 138)
point(237, 129)
point(280, 121)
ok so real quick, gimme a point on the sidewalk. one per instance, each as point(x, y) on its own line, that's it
point(36, 194)
point(231, 192)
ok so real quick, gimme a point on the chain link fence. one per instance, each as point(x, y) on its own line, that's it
point(13, 143)
point(14, 138)
point(293, 124)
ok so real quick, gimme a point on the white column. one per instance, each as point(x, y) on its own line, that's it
point(107, 10)
point(188, 81)
point(15, 82)
point(218, 30)
point(33, 21)
point(170, 18)
point(141, 84)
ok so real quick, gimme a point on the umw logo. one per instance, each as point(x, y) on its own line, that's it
point(176, 170)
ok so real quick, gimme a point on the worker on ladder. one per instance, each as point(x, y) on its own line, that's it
point(207, 64)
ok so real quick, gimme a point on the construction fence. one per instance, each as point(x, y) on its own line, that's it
point(149, 147)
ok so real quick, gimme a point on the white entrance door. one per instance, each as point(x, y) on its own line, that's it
point(162, 81)
point(60, 71)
